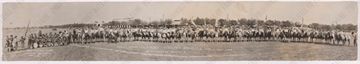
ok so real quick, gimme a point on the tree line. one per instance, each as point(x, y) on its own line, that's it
point(216, 22)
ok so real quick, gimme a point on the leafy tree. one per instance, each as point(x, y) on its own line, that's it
point(199, 21)
point(269, 23)
point(112, 23)
point(314, 25)
point(168, 22)
point(324, 27)
point(260, 22)
point(242, 21)
point(233, 22)
point(124, 23)
point(212, 22)
point(277, 23)
point(185, 21)
point(286, 24)
point(251, 22)
point(136, 22)
point(297, 24)
point(154, 23)
point(222, 22)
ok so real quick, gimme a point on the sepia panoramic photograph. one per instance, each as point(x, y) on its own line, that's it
point(180, 31)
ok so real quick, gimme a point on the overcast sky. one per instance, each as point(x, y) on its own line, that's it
point(19, 14)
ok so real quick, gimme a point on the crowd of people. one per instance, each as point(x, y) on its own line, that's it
point(181, 34)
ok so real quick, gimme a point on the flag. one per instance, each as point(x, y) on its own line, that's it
point(27, 29)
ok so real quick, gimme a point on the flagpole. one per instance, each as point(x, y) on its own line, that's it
point(27, 28)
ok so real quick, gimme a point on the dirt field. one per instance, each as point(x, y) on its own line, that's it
point(149, 51)
point(200, 51)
